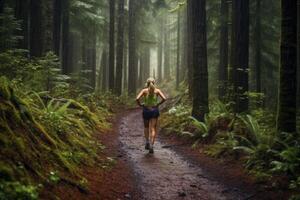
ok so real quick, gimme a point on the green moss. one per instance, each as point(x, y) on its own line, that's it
point(5, 90)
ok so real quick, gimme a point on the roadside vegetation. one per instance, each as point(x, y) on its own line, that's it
point(251, 138)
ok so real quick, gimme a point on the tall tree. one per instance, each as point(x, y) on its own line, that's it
point(167, 65)
point(146, 63)
point(22, 14)
point(2, 6)
point(178, 49)
point(120, 47)
point(286, 117)
point(104, 65)
point(111, 69)
point(160, 50)
point(240, 53)
point(298, 57)
point(36, 28)
point(132, 57)
point(199, 62)
point(66, 68)
point(223, 63)
point(257, 40)
point(57, 15)
point(189, 49)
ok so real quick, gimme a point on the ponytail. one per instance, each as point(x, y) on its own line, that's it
point(150, 85)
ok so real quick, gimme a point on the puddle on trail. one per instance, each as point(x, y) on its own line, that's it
point(165, 175)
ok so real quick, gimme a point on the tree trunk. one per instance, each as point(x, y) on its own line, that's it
point(2, 3)
point(120, 47)
point(184, 42)
point(190, 50)
point(111, 69)
point(125, 69)
point(132, 57)
point(160, 50)
point(166, 51)
point(223, 65)
point(286, 119)
point(178, 51)
point(240, 53)
point(104, 65)
point(57, 15)
point(298, 58)
point(48, 25)
point(66, 68)
point(199, 62)
point(93, 58)
point(258, 40)
point(36, 28)
point(21, 13)
point(146, 63)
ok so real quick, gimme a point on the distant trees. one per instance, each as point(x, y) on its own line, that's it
point(223, 62)
point(257, 48)
point(178, 50)
point(240, 53)
point(132, 57)
point(120, 47)
point(111, 69)
point(65, 37)
point(57, 16)
point(286, 119)
point(199, 61)
point(160, 50)
point(36, 28)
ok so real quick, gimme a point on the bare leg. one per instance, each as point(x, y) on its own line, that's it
point(146, 130)
point(152, 127)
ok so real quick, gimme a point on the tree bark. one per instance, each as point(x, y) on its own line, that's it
point(160, 50)
point(104, 65)
point(223, 63)
point(146, 63)
point(66, 68)
point(21, 13)
point(132, 57)
point(36, 28)
point(258, 40)
point(111, 69)
point(178, 50)
point(120, 47)
point(57, 16)
point(125, 69)
point(166, 51)
point(199, 61)
point(240, 53)
point(189, 49)
point(286, 118)
point(298, 57)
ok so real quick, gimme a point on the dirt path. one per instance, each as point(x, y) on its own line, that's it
point(165, 174)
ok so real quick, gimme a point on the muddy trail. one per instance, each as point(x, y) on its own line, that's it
point(166, 174)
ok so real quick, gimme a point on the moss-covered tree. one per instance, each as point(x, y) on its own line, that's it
point(286, 116)
point(199, 61)
point(240, 53)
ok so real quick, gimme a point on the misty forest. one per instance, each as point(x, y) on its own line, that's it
point(71, 125)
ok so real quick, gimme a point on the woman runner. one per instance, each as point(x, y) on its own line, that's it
point(150, 111)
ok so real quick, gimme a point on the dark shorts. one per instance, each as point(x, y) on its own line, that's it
point(149, 113)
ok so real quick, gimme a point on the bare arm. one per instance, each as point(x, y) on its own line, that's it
point(139, 96)
point(162, 96)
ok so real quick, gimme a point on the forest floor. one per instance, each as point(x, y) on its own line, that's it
point(174, 171)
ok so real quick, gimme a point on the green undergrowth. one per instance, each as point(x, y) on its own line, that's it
point(251, 138)
point(44, 140)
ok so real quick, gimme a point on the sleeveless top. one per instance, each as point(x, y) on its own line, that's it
point(150, 100)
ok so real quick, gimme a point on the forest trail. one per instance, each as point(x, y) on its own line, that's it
point(166, 174)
